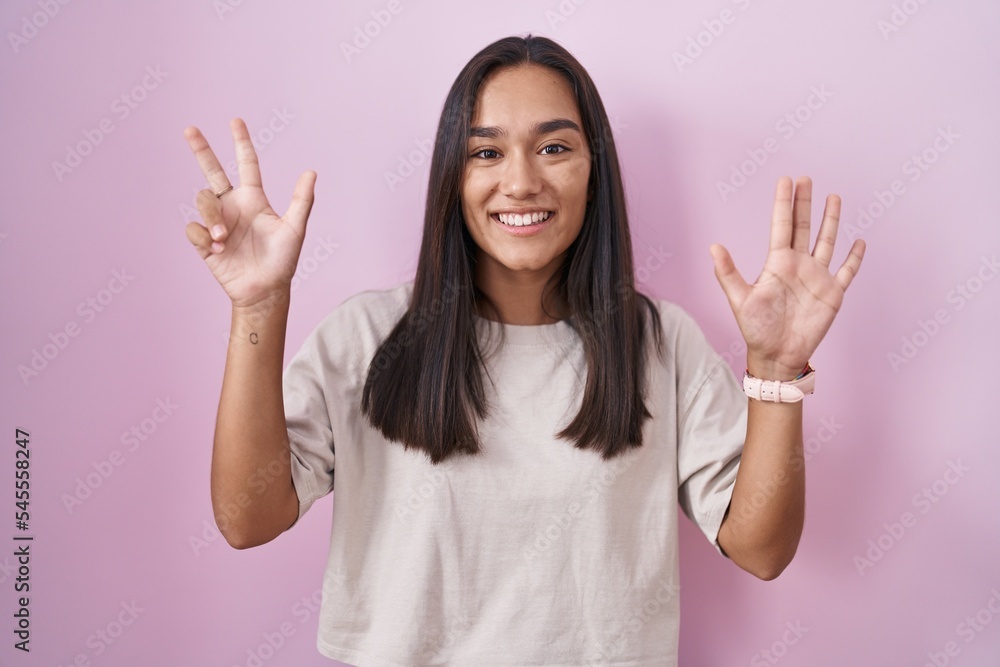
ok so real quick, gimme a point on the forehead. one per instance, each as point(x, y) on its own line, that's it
point(519, 97)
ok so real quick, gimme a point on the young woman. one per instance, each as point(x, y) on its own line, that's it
point(513, 429)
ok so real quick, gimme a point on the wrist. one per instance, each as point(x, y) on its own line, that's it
point(772, 370)
point(264, 319)
point(781, 386)
point(275, 302)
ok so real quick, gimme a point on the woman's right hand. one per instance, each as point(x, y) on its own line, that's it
point(250, 249)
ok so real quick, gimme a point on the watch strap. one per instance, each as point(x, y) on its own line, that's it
point(778, 391)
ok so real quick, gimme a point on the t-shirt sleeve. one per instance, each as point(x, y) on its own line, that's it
point(307, 418)
point(711, 430)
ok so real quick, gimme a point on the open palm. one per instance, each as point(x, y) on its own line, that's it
point(250, 249)
point(785, 314)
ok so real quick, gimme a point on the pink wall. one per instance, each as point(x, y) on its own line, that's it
point(879, 433)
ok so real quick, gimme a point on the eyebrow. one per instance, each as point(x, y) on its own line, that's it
point(544, 127)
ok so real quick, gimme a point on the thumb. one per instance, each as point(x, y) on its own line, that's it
point(729, 277)
point(302, 201)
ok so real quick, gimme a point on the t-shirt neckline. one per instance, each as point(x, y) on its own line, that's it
point(530, 334)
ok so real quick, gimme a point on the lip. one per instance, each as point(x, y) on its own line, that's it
point(526, 230)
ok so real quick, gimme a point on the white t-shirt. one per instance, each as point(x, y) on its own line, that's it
point(534, 553)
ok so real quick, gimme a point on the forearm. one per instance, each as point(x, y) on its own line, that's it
point(253, 496)
point(762, 527)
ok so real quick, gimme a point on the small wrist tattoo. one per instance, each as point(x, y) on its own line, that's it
point(253, 337)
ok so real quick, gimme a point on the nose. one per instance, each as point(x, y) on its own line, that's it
point(520, 177)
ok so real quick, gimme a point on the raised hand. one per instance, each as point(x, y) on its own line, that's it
point(250, 249)
point(786, 312)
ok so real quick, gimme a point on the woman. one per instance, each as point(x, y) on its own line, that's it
point(515, 427)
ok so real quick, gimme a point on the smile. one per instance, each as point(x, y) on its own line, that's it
point(519, 220)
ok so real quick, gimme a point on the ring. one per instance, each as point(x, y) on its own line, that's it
point(222, 192)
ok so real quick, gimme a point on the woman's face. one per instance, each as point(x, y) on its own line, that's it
point(528, 163)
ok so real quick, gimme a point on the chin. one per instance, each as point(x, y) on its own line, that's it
point(524, 263)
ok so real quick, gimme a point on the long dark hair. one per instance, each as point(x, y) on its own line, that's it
point(425, 386)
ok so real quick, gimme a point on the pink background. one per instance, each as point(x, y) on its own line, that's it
point(680, 131)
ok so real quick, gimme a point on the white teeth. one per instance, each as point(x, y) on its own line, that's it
point(517, 220)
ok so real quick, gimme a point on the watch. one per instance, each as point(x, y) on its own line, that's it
point(779, 391)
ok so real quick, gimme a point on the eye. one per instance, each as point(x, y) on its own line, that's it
point(486, 154)
point(559, 146)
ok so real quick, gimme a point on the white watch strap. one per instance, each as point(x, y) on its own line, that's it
point(777, 391)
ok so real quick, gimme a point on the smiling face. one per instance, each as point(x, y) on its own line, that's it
point(524, 190)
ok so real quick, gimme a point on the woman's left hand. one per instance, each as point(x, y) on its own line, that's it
point(785, 314)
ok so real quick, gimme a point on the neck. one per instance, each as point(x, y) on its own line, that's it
point(518, 294)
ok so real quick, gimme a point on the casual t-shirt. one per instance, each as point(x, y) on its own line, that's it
point(534, 553)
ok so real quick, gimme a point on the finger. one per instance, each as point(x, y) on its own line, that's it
point(850, 267)
point(214, 173)
point(246, 156)
point(729, 277)
point(802, 214)
point(823, 251)
point(302, 201)
point(211, 212)
point(781, 218)
point(200, 239)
